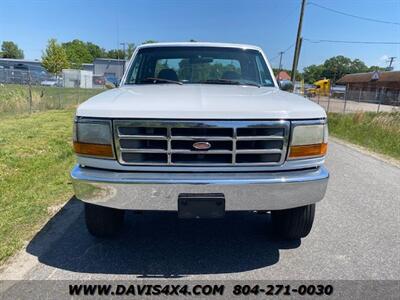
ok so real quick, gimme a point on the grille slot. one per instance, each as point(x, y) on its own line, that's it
point(202, 132)
point(259, 144)
point(143, 144)
point(146, 158)
point(172, 142)
point(195, 159)
point(188, 145)
point(257, 131)
point(257, 158)
point(152, 131)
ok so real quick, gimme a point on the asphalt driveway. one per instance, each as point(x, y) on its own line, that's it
point(356, 235)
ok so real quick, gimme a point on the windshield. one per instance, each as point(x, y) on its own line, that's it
point(192, 65)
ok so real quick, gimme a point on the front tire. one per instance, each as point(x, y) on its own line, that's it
point(293, 223)
point(103, 221)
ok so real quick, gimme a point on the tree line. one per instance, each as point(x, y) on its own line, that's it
point(333, 68)
point(77, 51)
point(73, 54)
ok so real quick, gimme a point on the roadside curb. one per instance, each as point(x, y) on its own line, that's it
point(384, 158)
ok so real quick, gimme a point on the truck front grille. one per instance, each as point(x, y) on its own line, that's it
point(145, 142)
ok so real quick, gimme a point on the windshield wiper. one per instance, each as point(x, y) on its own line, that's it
point(251, 84)
point(229, 81)
point(220, 81)
point(156, 79)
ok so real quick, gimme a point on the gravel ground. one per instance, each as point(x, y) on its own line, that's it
point(338, 105)
point(356, 235)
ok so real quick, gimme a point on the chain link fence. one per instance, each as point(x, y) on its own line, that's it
point(23, 91)
point(382, 100)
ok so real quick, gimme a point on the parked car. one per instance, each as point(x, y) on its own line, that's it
point(99, 80)
point(52, 82)
point(200, 129)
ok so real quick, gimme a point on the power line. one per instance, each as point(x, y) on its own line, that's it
point(275, 57)
point(290, 47)
point(351, 42)
point(283, 52)
point(353, 16)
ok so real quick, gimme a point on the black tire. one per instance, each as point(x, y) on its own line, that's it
point(293, 223)
point(103, 221)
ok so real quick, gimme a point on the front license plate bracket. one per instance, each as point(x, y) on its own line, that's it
point(201, 205)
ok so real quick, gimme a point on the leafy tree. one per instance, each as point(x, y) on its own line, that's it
point(335, 68)
point(119, 53)
point(77, 53)
point(10, 50)
point(95, 51)
point(54, 58)
point(116, 54)
point(130, 50)
point(313, 73)
point(149, 42)
point(376, 68)
point(358, 66)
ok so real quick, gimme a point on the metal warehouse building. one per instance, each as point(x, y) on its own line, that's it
point(377, 87)
point(21, 71)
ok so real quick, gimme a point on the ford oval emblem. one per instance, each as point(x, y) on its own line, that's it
point(202, 145)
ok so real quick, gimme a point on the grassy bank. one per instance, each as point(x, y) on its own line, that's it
point(15, 98)
point(379, 132)
point(35, 156)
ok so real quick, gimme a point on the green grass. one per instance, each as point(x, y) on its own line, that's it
point(15, 98)
point(35, 159)
point(379, 132)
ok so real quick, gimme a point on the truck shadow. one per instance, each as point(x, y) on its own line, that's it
point(159, 245)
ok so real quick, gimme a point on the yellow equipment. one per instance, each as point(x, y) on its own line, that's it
point(321, 88)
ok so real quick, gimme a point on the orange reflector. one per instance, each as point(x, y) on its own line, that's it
point(93, 149)
point(308, 150)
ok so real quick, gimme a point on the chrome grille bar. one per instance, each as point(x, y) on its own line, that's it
point(147, 142)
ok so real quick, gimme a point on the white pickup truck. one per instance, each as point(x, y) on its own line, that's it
point(200, 129)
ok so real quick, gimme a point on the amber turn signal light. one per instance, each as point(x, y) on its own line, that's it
point(308, 150)
point(93, 149)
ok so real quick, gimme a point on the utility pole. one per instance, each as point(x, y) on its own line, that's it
point(124, 58)
point(280, 63)
point(298, 43)
point(390, 61)
point(123, 49)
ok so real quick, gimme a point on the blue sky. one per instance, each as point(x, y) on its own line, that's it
point(269, 24)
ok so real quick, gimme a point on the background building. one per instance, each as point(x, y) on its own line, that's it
point(282, 75)
point(377, 87)
point(21, 71)
point(88, 67)
point(77, 78)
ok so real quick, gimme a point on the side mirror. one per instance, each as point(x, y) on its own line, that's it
point(110, 85)
point(286, 85)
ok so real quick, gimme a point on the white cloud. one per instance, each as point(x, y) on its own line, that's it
point(384, 57)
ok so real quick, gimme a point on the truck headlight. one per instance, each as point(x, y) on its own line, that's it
point(93, 138)
point(308, 141)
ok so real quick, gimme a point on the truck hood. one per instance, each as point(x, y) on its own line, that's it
point(199, 101)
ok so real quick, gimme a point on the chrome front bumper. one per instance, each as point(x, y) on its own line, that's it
point(160, 191)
